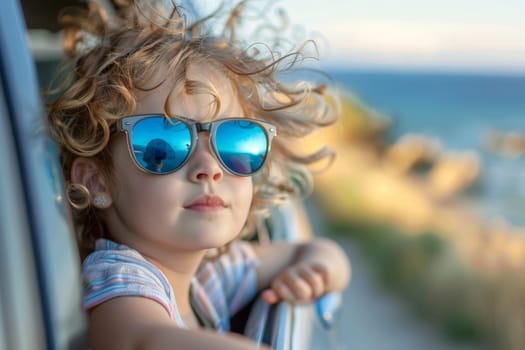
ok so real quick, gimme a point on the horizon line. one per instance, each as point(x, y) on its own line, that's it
point(426, 69)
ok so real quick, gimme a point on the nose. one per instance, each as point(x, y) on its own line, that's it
point(203, 166)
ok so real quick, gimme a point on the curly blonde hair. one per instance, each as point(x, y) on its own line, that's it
point(112, 57)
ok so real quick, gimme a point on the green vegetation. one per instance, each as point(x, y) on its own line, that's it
point(410, 265)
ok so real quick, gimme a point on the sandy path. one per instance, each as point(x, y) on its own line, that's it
point(375, 319)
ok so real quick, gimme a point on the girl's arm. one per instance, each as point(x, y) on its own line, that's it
point(139, 323)
point(301, 272)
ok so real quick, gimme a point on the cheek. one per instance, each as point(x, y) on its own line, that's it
point(132, 188)
point(148, 192)
point(243, 191)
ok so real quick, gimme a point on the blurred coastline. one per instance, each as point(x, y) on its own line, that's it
point(456, 114)
point(427, 180)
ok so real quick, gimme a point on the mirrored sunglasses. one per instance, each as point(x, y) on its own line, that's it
point(161, 145)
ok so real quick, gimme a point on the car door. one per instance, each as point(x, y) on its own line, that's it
point(40, 288)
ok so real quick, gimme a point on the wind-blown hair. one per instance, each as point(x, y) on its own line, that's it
point(114, 55)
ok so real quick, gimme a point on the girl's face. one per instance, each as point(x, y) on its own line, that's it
point(199, 206)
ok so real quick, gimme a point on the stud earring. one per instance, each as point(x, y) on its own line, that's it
point(101, 201)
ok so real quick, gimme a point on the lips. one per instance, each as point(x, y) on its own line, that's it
point(206, 203)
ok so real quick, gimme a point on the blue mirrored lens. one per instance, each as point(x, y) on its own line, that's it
point(242, 146)
point(161, 145)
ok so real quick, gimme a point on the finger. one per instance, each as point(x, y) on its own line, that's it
point(282, 290)
point(270, 296)
point(314, 280)
point(299, 288)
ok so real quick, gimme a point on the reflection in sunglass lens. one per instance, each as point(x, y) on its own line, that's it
point(242, 146)
point(160, 145)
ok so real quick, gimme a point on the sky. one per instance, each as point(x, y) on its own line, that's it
point(445, 35)
point(464, 35)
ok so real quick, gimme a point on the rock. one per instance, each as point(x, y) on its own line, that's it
point(453, 173)
point(510, 144)
point(411, 151)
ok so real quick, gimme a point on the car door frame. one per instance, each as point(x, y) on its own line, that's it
point(40, 300)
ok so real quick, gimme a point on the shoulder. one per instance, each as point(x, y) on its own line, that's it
point(115, 270)
point(111, 258)
point(107, 251)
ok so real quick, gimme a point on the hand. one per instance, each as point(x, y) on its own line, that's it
point(302, 282)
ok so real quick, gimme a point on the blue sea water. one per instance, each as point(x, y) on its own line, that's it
point(460, 110)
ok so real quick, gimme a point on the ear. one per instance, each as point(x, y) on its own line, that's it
point(86, 172)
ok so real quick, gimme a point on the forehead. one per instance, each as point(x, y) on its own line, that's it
point(172, 96)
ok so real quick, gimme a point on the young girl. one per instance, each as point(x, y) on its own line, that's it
point(173, 144)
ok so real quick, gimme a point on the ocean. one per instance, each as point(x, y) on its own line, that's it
point(460, 110)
